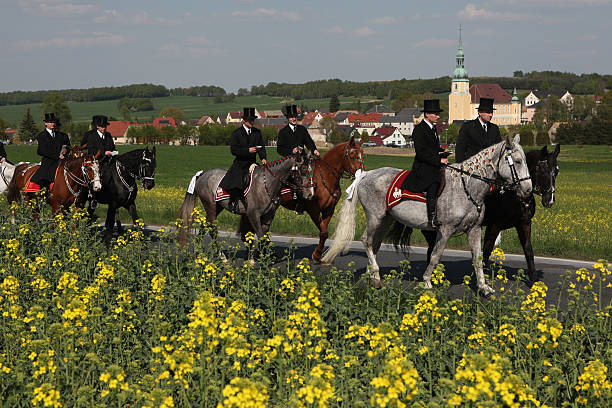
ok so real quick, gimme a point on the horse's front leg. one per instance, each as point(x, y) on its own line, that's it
point(442, 238)
point(491, 233)
point(321, 220)
point(109, 223)
point(524, 234)
point(474, 235)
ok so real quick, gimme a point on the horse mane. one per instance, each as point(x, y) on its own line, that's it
point(277, 162)
point(477, 164)
point(339, 148)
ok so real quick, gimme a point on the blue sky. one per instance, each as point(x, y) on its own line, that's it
point(57, 44)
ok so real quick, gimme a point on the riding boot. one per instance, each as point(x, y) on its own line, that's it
point(432, 218)
point(233, 205)
point(299, 208)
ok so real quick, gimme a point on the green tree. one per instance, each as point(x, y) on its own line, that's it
point(184, 133)
point(542, 138)
point(365, 136)
point(172, 112)
point(167, 134)
point(336, 136)
point(55, 103)
point(3, 125)
point(125, 112)
point(329, 124)
point(604, 109)
point(406, 99)
point(27, 129)
point(334, 104)
point(518, 74)
point(527, 133)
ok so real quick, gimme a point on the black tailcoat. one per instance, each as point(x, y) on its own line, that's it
point(2, 152)
point(472, 139)
point(288, 140)
point(240, 142)
point(426, 167)
point(50, 149)
point(96, 144)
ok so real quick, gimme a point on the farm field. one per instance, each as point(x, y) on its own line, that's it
point(145, 323)
point(192, 106)
point(578, 225)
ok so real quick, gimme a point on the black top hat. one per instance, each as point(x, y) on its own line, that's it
point(291, 111)
point(249, 114)
point(486, 105)
point(431, 106)
point(99, 120)
point(50, 117)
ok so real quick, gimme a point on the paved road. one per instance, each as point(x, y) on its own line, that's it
point(457, 264)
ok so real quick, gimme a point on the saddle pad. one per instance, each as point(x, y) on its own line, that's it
point(395, 194)
point(31, 187)
point(222, 194)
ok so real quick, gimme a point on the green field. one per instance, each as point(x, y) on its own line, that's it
point(192, 106)
point(579, 225)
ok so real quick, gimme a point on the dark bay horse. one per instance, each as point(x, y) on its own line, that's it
point(77, 174)
point(120, 176)
point(504, 211)
point(343, 160)
point(459, 207)
point(261, 201)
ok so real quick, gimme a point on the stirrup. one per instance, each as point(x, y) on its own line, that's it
point(93, 204)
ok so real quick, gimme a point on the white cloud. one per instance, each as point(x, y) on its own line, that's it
point(435, 42)
point(56, 8)
point(555, 3)
point(93, 39)
point(268, 14)
point(199, 40)
point(471, 12)
point(365, 32)
point(420, 16)
point(384, 20)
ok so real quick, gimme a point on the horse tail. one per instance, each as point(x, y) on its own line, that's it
point(399, 234)
point(185, 215)
point(345, 229)
point(13, 193)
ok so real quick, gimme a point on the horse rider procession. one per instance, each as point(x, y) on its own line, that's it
point(435, 196)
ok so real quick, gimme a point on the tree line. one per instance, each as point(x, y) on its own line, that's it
point(108, 93)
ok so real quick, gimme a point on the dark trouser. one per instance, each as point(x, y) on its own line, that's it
point(432, 191)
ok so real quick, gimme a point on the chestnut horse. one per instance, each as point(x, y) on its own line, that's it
point(77, 174)
point(343, 160)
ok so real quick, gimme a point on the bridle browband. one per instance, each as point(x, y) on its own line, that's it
point(145, 162)
point(86, 181)
point(536, 188)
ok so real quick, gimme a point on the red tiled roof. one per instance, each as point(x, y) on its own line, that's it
point(364, 117)
point(117, 128)
point(385, 131)
point(493, 91)
point(163, 122)
point(376, 139)
point(204, 119)
point(235, 115)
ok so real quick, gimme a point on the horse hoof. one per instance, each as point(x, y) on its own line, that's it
point(376, 283)
point(252, 262)
point(486, 290)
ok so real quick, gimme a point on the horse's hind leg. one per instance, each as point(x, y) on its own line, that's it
point(372, 238)
point(109, 224)
point(436, 254)
point(430, 237)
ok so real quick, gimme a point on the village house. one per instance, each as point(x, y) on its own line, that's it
point(404, 120)
point(381, 109)
point(205, 120)
point(536, 96)
point(388, 136)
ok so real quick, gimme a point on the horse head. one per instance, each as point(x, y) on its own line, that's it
point(546, 172)
point(512, 167)
point(352, 159)
point(146, 168)
point(305, 179)
point(90, 168)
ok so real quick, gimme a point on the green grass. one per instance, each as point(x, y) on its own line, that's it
point(192, 106)
point(579, 224)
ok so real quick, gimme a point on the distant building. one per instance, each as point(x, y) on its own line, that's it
point(388, 136)
point(205, 120)
point(536, 96)
point(464, 99)
point(381, 109)
point(403, 120)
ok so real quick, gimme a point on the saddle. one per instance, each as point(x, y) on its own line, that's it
point(222, 194)
point(395, 194)
point(31, 187)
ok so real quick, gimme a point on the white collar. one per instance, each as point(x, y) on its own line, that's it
point(482, 123)
point(428, 124)
point(50, 131)
point(248, 130)
point(292, 126)
point(100, 134)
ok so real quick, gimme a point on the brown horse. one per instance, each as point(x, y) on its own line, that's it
point(75, 175)
point(343, 159)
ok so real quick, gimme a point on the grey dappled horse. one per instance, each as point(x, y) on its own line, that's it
point(6, 174)
point(459, 207)
point(262, 199)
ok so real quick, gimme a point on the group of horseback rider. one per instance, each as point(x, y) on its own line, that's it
point(53, 145)
point(246, 143)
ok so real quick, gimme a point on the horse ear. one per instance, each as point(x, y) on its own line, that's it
point(544, 153)
point(153, 149)
point(557, 150)
point(352, 141)
point(516, 140)
point(509, 143)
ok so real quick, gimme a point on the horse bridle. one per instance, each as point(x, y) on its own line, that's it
point(283, 180)
point(141, 172)
point(490, 181)
point(4, 176)
point(553, 176)
point(350, 154)
point(86, 181)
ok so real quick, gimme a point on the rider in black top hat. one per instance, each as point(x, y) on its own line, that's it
point(98, 139)
point(3, 153)
point(245, 143)
point(51, 146)
point(291, 139)
point(479, 133)
point(425, 173)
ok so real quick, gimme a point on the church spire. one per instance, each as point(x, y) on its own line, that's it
point(460, 72)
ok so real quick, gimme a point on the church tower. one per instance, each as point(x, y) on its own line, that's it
point(459, 99)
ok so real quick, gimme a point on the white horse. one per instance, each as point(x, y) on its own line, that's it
point(6, 174)
point(459, 207)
